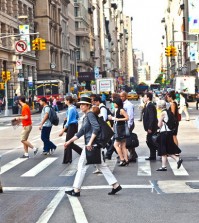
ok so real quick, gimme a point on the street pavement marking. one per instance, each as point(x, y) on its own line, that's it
point(99, 187)
point(39, 167)
point(45, 217)
point(12, 164)
point(77, 210)
point(71, 169)
point(3, 128)
point(177, 172)
point(144, 167)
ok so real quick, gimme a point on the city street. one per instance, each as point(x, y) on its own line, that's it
point(34, 188)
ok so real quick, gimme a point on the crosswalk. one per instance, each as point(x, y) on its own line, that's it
point(142, 167)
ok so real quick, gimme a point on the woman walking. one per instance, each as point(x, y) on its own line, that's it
point(90, 130)
point(184, 106)
point(71, 127)
point(120, 141)
point(171, 97)
point(167, 145)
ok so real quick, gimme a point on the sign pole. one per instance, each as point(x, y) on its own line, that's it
point(6, 98)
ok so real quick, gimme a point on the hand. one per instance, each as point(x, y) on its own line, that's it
point(40, 127)
point(89, 147)
point(66, 144)
point(149, 131)
point(61, 133)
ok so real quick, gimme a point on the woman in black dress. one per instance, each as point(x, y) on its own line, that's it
point(120, 142)
point(174, 109)
point(167, 145)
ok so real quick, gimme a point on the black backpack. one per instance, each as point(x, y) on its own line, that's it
point(52, 116)
point(108, 113)
point(172, 122)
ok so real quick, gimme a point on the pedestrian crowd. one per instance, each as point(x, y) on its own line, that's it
point(160, 121)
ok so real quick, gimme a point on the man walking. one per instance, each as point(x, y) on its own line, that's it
point(46, 127)
point(25, 118)
point(129, 108)
point(103, 110)
point(150, 124)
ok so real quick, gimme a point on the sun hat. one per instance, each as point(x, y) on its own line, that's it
point(85, 100)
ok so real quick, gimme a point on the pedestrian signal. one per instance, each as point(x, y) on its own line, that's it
point(35, 44)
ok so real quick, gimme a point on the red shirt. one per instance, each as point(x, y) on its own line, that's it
point(26, 111)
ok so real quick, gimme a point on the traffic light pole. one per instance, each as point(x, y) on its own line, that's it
point(6, 98)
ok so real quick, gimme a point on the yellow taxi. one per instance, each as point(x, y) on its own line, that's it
point(84, 94)
point(133, 96)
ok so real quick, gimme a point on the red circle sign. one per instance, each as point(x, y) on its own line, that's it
point(21, 46)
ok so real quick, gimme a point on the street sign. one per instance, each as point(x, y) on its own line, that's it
point(24, 29)
point(20, 46)
point(96, 71)
point(20, 77)
point(19, 64)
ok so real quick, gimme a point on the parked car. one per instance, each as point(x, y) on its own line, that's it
point(133, 96)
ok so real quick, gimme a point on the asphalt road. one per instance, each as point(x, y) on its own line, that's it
point(34, 188)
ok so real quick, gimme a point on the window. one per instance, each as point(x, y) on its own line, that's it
point(78, 55)
point(77, 41)
point(76, 25)
point(76, 11)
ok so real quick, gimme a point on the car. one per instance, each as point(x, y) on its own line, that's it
point(84, 94)
point(133, 96)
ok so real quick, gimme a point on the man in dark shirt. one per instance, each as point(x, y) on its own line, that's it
point(150, 124)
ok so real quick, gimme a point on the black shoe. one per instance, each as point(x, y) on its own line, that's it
point(24, 156)
point(151, 158)
point(123, 163)
point(179, 163)
point(73, 193)
point(162, 169)
point(114, 191)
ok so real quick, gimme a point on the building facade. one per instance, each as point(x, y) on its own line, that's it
point(13, 14)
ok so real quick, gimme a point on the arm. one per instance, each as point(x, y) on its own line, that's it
point(130, 112)
point(173, 108)
point(152, 118)
point(160, 121)
point(126, 117)
point(44, 119)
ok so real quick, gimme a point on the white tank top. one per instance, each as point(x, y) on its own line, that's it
point(164, 127)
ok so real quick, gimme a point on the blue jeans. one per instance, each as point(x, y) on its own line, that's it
point(45, 137)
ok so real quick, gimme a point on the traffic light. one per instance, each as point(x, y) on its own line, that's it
point(3, 75)
point(173, 51)
point(42, 44)
point(2, 86)
point(168, 51)
point(35, 44)
point(8, 77)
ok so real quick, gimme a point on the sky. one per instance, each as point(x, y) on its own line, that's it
point(147, 28)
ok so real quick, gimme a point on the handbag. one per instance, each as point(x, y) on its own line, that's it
point(121, 131)
point(94, 156)
point(156, 138)
point(132, 141)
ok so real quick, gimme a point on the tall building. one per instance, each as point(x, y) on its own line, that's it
point(14, 13)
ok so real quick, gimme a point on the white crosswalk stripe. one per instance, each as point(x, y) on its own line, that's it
point(12, 164)
point(39, 167)
point(177, 172)
point(144, 167)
